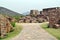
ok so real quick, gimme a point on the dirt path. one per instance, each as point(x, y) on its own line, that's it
point(33, 31)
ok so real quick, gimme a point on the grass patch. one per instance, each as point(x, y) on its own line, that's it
point(13, 24)
point(16, 31)
point(54, 32)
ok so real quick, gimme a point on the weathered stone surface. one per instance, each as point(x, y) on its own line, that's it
point(5, 26)
point(49, 14)
point(34, 12)
point(34, 17)
point(54, 17)
point(11, 19)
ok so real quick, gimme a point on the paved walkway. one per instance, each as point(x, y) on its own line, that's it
point(33, 31)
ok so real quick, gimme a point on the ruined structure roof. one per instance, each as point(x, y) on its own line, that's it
point(51, 8)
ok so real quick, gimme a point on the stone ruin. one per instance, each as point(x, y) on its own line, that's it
point(11, 19)
point(48, 14)
point(33, 17)
point(54, 17)
point(5, 26)
point(34, 12)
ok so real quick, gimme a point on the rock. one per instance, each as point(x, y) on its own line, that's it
point(5, 26)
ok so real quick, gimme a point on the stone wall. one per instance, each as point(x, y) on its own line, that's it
point(34, 12)
point(5, 26)
point(54, 17)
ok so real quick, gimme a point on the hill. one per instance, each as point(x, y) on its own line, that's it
point(8, 12)
point(26, 13)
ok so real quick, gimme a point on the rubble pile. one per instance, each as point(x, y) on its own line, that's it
point(5, 26)
point(33, 17)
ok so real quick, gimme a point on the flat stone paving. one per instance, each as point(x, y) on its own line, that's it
point(33, 31)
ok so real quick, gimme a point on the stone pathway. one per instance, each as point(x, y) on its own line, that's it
point(33, 31)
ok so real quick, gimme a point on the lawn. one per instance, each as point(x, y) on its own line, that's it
point(54, 32)
point(16, 31)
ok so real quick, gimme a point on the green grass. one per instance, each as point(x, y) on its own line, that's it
point(54, 32)
point(13, 24)
point(16, 31)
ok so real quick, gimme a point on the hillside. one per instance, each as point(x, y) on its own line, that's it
point(8, 12)
point(26, 13)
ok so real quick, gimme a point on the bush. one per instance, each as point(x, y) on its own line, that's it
point(13, 24)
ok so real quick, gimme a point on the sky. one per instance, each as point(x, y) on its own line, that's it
point(22, 6)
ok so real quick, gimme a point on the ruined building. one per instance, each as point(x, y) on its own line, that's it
point(5, 26)
point(45, 13)
point(54, 17)
point(34, 12)
point(48, 14)
point(33, 17)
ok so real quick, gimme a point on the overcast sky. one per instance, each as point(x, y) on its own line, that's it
point(22, 6)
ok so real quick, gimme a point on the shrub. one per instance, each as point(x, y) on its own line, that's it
point(13, 24)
